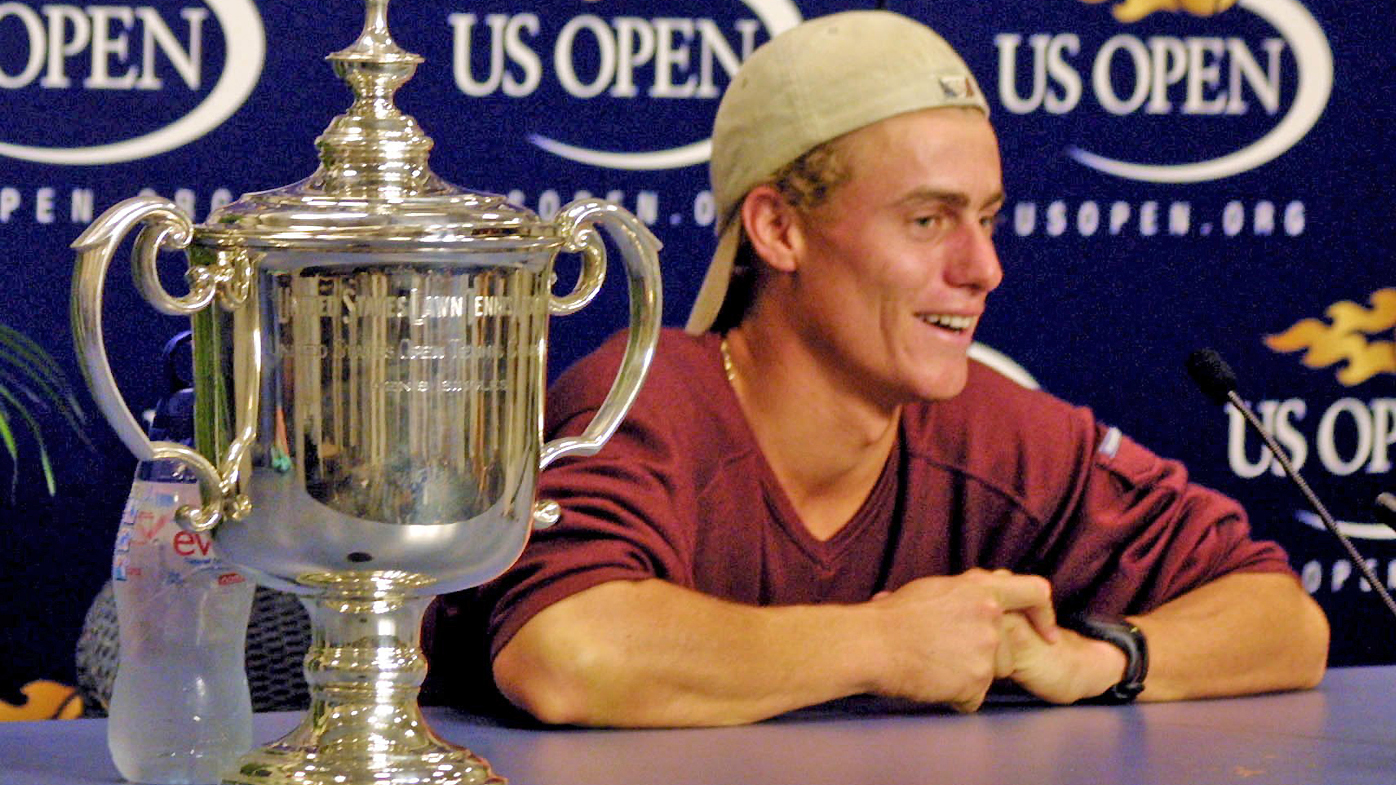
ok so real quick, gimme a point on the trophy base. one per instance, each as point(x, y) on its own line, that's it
point(307, 756)
point(364, 669)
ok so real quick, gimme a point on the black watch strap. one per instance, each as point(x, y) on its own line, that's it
point(1130, 639)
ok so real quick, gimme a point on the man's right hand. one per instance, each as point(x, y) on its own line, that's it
point(943, 636)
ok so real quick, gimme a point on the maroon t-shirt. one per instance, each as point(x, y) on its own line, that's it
point(998, 477)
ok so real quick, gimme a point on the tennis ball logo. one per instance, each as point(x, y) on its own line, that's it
point(1134, 10)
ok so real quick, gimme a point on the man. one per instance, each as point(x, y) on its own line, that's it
point(821, 496)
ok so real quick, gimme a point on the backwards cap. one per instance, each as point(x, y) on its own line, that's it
point(808, 85)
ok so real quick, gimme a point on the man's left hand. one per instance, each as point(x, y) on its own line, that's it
point(1072, 668)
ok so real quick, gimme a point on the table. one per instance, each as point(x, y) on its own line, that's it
point(1340, 734)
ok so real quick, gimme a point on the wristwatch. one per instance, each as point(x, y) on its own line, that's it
point(1130, 639)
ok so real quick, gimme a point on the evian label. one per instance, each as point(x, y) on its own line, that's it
point(594, 56)
point(107, 50)
point(1285, 74)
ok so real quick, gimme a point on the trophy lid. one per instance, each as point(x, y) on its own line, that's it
point(373, 189)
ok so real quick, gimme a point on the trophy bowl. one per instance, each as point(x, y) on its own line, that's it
point(370, 352)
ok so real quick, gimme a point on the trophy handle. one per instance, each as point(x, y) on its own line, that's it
point(640, 251)
point(167, 228)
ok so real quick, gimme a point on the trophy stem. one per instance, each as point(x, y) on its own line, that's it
point(364, 668)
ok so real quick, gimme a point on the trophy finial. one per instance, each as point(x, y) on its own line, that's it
point(374, 149)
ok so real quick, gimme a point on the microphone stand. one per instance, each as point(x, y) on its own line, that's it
point(1317, 505)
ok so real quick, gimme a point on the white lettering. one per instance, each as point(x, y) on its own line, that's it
point(1100, 75)
point(635, 44)
point(1056, 219)
point(1265, 85)
point(1383, 434)
point(1311, 576)
point(43, 205)
point(1242, 466)
point(647, 207)
point(1233, 218)
point(549, 202)
point(521, 55)
point(105, 33)
point(1148, 218)
point(562, 56)
point(1277, 417)
point(1264, 218)
point(668, 55)
point(1342, 570)
point(1087, 219)
point(1179, 216)
point(1049, 58)
point(713, 46)
point(61, 47)
point(34, 27)
point(1294, 219)
point(704, 208)
point(1284, 431)
point(9, 202)
point(1204, 73)
point(1327, 439)
point(81, 206)
point(188, 63)
point(105, 46)
point(1024, 218)
point(184, 198)
point(461, 26)
point(1170, 66)
point(1119, 216)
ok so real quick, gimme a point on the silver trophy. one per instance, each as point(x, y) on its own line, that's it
point(370, 360)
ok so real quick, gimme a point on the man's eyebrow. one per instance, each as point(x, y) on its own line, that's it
point(956, 199)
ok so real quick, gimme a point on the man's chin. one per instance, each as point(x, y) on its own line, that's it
point(945, 385)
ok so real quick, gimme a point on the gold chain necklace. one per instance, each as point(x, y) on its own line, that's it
point(727, 366)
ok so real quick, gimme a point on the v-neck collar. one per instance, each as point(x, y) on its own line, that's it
point(874, 508)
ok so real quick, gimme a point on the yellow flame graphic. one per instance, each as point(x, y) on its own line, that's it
point(1133, 10)
point(1345, 338)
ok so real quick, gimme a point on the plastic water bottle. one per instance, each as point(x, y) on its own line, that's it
point(180, 711)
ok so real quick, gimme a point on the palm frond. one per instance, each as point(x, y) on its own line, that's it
point(31, 380)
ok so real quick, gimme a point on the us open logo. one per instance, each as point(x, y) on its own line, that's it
point(615, 58)
point(1154, 74)
point(101, 52)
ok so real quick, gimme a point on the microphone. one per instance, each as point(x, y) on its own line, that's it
point(1217, 381)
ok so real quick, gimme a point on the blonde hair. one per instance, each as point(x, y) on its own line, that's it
point(805, 183)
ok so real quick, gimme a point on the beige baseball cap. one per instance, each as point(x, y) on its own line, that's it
point(808, 85)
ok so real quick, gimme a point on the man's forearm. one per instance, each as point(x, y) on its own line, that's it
point(651, 653)
point(648, 653)
point(1243, 633)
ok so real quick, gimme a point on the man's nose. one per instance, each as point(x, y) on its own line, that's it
point(976, 261)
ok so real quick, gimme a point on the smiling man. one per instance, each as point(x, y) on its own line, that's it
point(818, 494)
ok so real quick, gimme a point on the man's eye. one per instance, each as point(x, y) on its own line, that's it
point(991, 223)
point(926, 220)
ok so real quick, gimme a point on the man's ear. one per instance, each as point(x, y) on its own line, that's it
point(771, 227)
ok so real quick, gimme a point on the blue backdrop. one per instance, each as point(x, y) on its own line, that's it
point(1180, 173)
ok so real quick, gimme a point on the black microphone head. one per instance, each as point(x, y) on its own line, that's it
point(1211, 374)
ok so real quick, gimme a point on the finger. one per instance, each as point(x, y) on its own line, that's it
point(1004, 664)
point(1031, 596)
point(969, 706)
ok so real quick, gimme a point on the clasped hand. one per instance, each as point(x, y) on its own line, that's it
point(949, 638)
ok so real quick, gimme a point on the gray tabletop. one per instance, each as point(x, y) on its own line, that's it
point(1340, 734)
